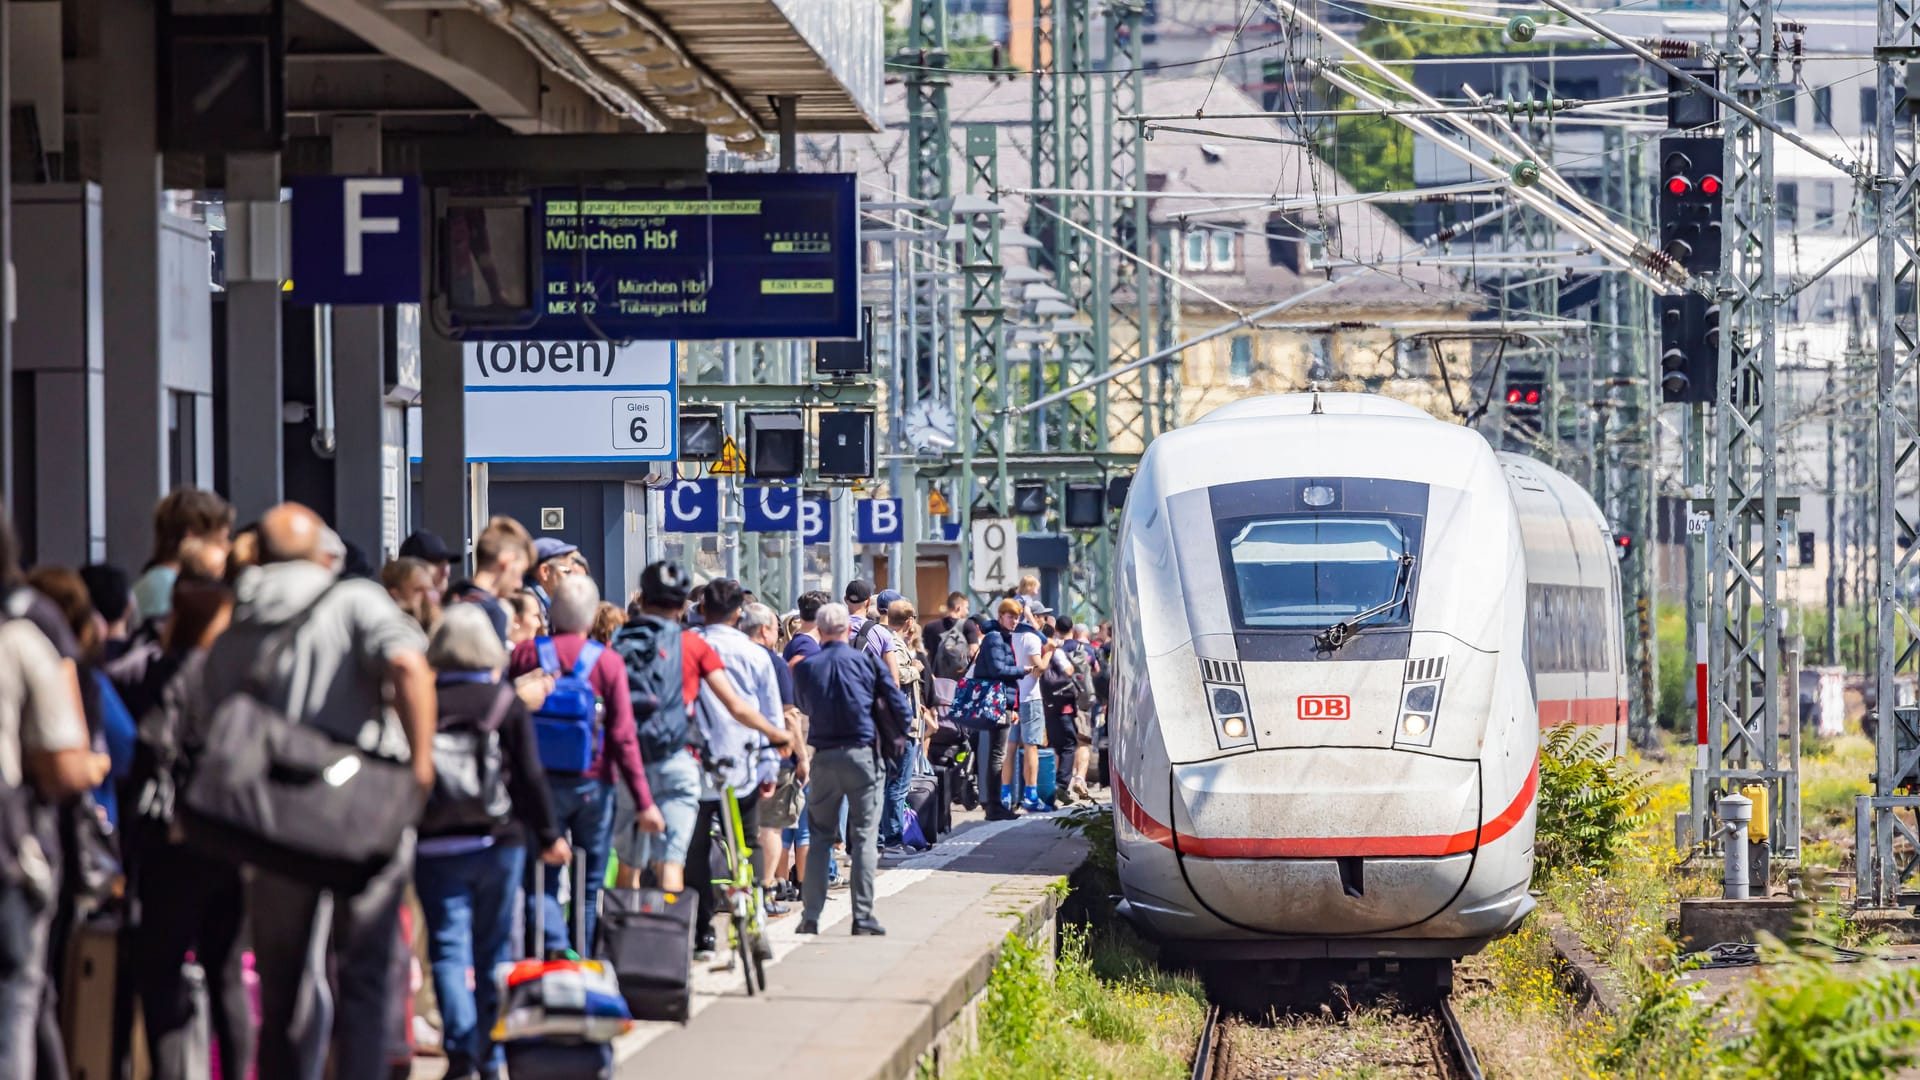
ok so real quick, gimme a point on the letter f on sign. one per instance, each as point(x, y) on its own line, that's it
point(358, 224)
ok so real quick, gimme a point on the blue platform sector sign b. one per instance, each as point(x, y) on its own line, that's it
point(771, 509)
point(356, 239)
point(878, 521)
point(693, 506)
point(816, 526)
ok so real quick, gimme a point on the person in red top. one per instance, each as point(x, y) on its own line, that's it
point(583, 803)
point(673, 775)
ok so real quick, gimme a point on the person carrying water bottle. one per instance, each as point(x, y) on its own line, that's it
point(586, 735)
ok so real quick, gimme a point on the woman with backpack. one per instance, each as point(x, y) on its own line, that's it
point(489, 796)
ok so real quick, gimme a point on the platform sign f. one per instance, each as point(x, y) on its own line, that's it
point(359, 223)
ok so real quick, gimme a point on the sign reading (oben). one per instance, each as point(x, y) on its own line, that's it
point(571, 401)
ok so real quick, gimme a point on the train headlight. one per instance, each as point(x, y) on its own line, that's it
point(1416, 724)
point(1420, 701)
point(1234, 727)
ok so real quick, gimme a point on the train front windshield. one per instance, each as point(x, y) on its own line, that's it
point(1306, 571)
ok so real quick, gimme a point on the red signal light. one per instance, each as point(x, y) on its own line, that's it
point(1710, 185)
point(1533, 397)
point(1680, 185)
point(1513, 397)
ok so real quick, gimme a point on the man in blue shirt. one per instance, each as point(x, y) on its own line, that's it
point(838, 688)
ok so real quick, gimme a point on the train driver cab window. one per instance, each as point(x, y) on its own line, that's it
point(1308, 571)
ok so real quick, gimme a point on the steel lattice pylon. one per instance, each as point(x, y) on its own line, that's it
point(1886, 845)
point(1743, 654)
point(1129, 414)
point(984, 422)
point(1077, 269)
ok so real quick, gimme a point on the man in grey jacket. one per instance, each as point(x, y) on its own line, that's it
point(356, 653)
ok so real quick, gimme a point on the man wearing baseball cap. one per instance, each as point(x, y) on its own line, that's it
point(427, 546)
point(552, 560)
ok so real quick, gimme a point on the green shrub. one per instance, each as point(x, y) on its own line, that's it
point(1813, 1022)
point(1590, 803)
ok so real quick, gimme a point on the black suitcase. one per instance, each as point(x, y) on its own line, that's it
point(943, 800)
point(646, 935)
point(923, 799)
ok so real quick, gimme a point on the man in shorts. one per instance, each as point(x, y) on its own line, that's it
point(1031, 651)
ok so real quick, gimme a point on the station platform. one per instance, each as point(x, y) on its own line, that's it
point(839, 1007)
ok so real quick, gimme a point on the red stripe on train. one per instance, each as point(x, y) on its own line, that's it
point(1582, 711)
point(1325, 847)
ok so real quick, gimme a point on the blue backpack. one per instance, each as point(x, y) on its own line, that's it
point(567, 726)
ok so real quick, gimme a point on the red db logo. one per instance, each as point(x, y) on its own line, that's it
point(1324, 707)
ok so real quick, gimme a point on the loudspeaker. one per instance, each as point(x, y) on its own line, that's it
point(846, 444)
point(1117, 491)
point(1086, 506)
point(1029, 498)
point(701, 436)
point(841, 358)
point(776, 445)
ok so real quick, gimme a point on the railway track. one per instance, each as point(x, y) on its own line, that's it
point(1215, 1058)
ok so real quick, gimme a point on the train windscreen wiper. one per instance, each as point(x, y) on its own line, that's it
point(1341, 632)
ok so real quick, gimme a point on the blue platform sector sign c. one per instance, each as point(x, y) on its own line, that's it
point(878, 521)
point(692, 506)
point(356, 239)
point(771, 509)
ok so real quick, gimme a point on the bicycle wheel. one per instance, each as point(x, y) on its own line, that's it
point(745, 948)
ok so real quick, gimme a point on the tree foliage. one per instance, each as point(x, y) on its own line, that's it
point(1590, 803)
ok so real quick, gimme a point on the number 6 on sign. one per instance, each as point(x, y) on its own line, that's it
point(996, 562)
point(641, 423)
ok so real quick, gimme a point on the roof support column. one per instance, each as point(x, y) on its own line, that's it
point(369, 474)
point(130, 225)
point(253, 389)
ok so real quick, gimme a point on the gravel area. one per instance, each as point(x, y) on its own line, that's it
point(1374, 1042)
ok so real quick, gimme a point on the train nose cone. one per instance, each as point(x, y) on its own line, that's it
point(1326, 840)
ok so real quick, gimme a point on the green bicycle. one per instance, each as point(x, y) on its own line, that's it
point(740, 893)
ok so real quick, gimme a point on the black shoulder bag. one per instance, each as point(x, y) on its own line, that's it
point(286, 797)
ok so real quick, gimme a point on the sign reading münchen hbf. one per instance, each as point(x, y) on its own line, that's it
point(749, 255)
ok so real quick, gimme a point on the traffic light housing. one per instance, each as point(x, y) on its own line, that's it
point(1525, 397)
point(1689, 348)
point(1622, 546)
point(1692, 195)
point(702, 438)
point(776, 445)
point(1806, 548)
point(1029, 498)
point(1086, 506)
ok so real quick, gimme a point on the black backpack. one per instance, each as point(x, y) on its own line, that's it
point(951, 654)
point(469, 774)
point(650, 648)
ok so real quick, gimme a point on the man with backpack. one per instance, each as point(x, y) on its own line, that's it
point(343, 661)
point(667, 667)
point(952, 641)
point(501, 555)
point(867, 629)
point(752, 769)
point(585, 735)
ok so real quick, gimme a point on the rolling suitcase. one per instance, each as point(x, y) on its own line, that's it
point(647, 936)
point(86, 998)
point(923, 799)
point(1049, 779)
point(549, 1058)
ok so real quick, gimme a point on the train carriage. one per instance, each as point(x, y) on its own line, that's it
point(1325, 711)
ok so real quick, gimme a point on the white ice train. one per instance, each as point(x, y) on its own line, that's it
point(1341, 625)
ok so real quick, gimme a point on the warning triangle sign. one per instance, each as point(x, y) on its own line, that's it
point(730, 463)
point(937, 504)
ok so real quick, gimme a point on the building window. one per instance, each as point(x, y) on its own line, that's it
point(1196, 249)
point(1823, 107)
point(1783, 110)
point(1240, 361)
point(1823, 205)
point(879, 255)
point(1869, 106)
point(1285, 242)
point(1786, 209)
point(183, 468)
point(1412, 358)
point(1222, 249)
